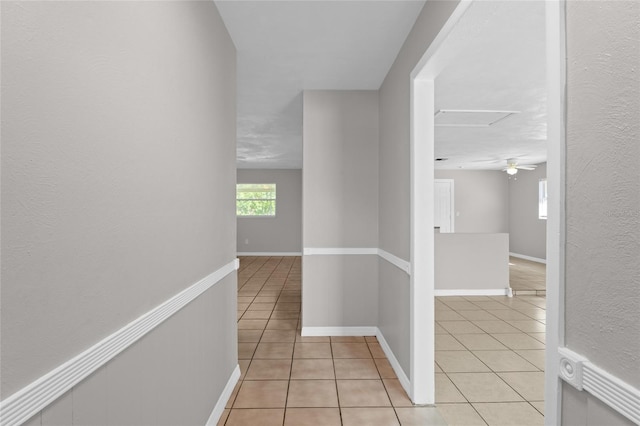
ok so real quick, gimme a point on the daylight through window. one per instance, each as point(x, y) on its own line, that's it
point(256, 199)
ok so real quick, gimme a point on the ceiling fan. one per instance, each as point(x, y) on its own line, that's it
point(513, 166)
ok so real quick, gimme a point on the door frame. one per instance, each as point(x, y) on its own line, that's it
point(422, 332)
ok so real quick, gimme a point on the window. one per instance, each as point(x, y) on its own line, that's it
point(542, 199)
point(256, 199)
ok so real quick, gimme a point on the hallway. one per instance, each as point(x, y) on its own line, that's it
point(489, 361)
point(293, 380)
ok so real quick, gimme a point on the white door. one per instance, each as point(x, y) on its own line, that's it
point(443, 217)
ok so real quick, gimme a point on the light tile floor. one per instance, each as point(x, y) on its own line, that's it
point(527, 278)
point(489, 361)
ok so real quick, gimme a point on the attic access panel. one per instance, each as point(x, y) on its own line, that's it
point(470, 118)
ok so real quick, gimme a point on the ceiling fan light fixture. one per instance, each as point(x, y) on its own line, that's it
point(512, 170)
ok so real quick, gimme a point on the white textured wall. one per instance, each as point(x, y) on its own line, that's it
point(603, 188)
point(118, 187)
point(527, 233)
point(481, 200)
point(282, 233)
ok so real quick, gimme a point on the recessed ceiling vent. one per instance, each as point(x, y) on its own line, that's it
point(470, 117)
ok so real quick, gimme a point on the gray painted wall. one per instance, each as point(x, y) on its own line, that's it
point(340, 206)
point(603, 192)
point(485, 258)
point(481, 200)
point(527, 233)
point(118, 174)
point(394, 173)
point(282, 233)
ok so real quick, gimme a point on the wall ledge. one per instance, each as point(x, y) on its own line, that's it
point(583, 375)
point(31, 399)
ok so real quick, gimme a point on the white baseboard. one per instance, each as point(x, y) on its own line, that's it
point(402, 377)
point(338, 251)
point(31, 399)
point(339, 331)
point(269, 253)
point(224, 397)
point(473, 292)
point(525, 257)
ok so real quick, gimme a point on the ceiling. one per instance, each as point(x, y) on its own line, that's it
point(285, 47)
point(497, 62)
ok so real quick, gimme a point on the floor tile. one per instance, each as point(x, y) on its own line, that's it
point(261, 306)
point(262, 394)
point(420, 416)
point(376, 350)
point(278, 336)
point(246, 350)
point(312, 393)
point(460, 415)
point(282, 324)
point(446, 390)
point(350, 350)
point(396, 393)
point(256, 315)
point(530, 385)
point(459, 327)
point(497, 326)
point(504, 361)
point(448, 316)
point(356, 369)
point(483, 387)
point(246, 336)
point(509, 414)
point(508, 314)
point(362, 393)
point(274, 351)
point(475, 342)
point(478, 315)
point(312, 369)
point(519, 341)
point(461, 305)
point(538, 405)
point(312, 350)
point(244, 366)
point(312, 339)
point(285, 315)
point(385, 369)
point(535, 357)
point(540, 337)
point(269, 369)
point(252, 324)
point(528, 326)
point(446, 342)
point(372, 416)
point(312, 417)
point(459, 361)
point(252, 417)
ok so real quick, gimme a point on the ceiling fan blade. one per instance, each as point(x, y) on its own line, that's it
point(527, 167)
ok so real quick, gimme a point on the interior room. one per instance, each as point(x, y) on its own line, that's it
point(435, 217)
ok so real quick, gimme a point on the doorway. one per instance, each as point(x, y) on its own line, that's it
point(422, 127)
